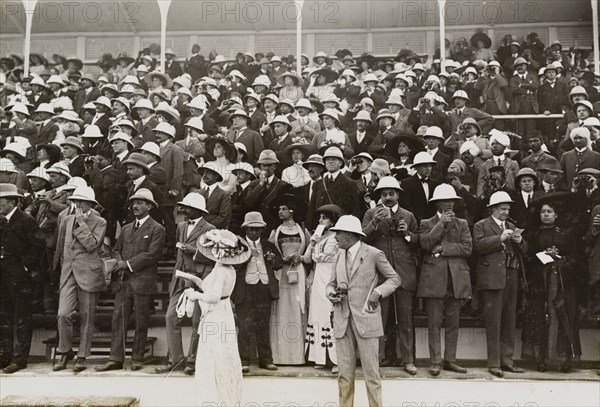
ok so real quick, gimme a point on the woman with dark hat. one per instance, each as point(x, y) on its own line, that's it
point(296, 175)
point(400, 152)
point(48, 155)
point(322, 252)
point(290, 310)
point(550, 333)
point(322, 83)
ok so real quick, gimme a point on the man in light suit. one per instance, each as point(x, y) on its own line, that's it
point(394, 231)
point(171, 159)
point(80, 237)
point(137, 251)
point(498, 267)
point(580, 157)
point(241, 133)
point(304, 126)
point(355, 293)
point(445, 281)
point(191, 262)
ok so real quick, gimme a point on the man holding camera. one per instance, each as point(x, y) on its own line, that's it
point(493, 87)
point(394, 230)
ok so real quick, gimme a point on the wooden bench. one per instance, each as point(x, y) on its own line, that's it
point(101, 347)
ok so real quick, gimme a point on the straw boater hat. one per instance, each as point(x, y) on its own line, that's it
point(224, 247)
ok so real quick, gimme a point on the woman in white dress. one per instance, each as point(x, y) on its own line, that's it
point(296, 175)
point(322, 252)
point(218, 379)
point(224, 153)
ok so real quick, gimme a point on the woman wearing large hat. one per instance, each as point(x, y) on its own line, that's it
point(322, 253)
point(218, 377)
point(295, 174)
point(291, 84)
point(158, 81)
point(401, 150)
point(292, 241)
point(322, 83)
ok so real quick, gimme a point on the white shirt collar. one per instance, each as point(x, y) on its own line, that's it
point(499, 157)
point(253, 243)
point(281, 138)
point(499, 222)
point(121, 156)
point(60, 188)
point(334, 175)
point(164, 143)
point(245, 185)
point(580, 150)
point(144, 219)
point(211, 188)
point(433, 152)
point(353, 250)
point(152, 164)
point(138, 182)
point(11, 214)
point(73, 159)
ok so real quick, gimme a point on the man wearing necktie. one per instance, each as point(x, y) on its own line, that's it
point(189, 261)
point(355, 292)
point(394, 231)
point(138, 250)
point(580, 157)
point(418, 189)
point(552, 95)
point(500, 143)
point(523, 95)
point(499, 267)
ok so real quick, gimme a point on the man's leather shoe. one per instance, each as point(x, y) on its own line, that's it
point(170, 367)
point(136, 365)
point(189, 369)
point(14, 367)
point(245, 369)
point(4, 363)
point(453, 367)
point(269, 366)
point(410, 369)
point(79, 365)
point(390, 362)
point(496, 371)
point(110, 365)
point(434, 370)
point(64, 359)
point(512, 369)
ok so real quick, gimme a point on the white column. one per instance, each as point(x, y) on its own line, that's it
point(596, 40)
point(163, 5)
point(441, 7)
point(29, 6)
point(299, 5)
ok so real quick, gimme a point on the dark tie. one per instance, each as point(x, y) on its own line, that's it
point(136, 226)
point(329, 179)
point(424, 180)
point(499, 163)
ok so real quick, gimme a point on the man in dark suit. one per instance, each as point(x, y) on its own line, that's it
point(394, 231)
point(198, 107)
point(281, 128)
point(157, 173)
point(526, 191)
point(137, 171)
point(48, 128)
point(315, 167)
point(335, 188)
point(147, 122)
point(240, 133)
point(102, 116)
point(445, 281)
point(370, 82)
point(72, 150)
point(257, 116)
point(86, 94)
point(255, 290)
point(172, 67)
point(188, 232)
point(363, 137)
point(263, 191)
point(433, 138)
point(218, 202)
point(137, 253)
point(419, 188)
point(110, 192)
point(196, 66)
point(523, 95)
point(245, 175)
point(498, 267)
point(22, 247)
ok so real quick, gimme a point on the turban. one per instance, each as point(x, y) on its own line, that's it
point(499, 137)
point(471, 147)
point(581, 132)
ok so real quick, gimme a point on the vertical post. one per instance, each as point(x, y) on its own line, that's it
point(29, 6)
point(299, 5)
point(163, 5)
point(596, 40)
point(441, 10)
